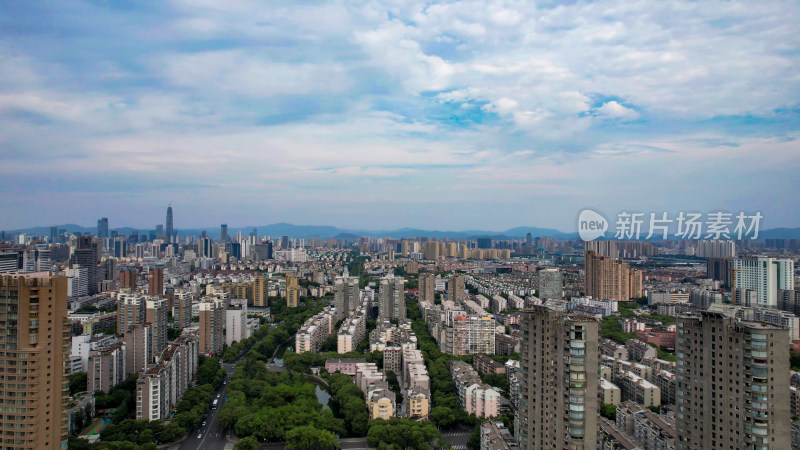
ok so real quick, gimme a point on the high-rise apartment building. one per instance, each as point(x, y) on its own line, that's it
point(558, 380)
point(392, 303)
point(345, 296)
point(155, 281)
point(138, 347)
point(260, 291)
point(131, 307)
point(760, 278)
point(732, 383)
point(611, 279)
point(34, 361)
point(720, 269)
point(551, 284)
point(212, 321)
point(106, 367)
point(716, 249)
point(236, 324)
point(473, 335)
point(119, 247)
point(430, 250)
point(156, 314)
point(204, 248)
point(223, 232)
point(86, 253)
point(127, 277)
point(427, 288)
point(183, 308)
point(102, 228)
point(292, 291)
point(455, 288)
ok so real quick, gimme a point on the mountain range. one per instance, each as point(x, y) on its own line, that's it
point(320, 231)
point(277, 230)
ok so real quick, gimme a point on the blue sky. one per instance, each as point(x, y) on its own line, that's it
point(386, 114)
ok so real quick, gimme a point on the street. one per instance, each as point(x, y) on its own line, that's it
point(457, 437)
point(211, 435)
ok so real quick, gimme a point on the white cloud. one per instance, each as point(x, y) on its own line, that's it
point(615, 110)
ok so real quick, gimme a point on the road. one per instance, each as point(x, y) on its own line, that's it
point(457, 437)
point(211, 435)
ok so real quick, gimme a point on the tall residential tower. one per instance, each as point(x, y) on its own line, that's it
point(34, 356)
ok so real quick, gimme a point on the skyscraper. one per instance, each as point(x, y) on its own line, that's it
point(34, 352)
point(733, 385)
point(102, 228)
point(558, 380)
point(170, 231)
point(223, 232)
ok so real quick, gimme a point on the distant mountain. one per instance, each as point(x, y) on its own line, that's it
point(277, 230)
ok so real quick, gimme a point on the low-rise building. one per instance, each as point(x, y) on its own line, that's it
point(346, 366)
point(609, 393)
point(637, 389)
point(485, 364)
point(639, 350)
point(495, 436)
point(474, 396)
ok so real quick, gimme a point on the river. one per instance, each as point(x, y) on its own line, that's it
point(322, 397)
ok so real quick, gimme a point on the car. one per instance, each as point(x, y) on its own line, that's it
point(218, 395)
point(204, 423)
point(200, 436)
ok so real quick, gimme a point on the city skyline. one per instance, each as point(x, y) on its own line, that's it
point(426, 116)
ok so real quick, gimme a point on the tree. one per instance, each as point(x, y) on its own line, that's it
point(77, 419)
point(309, 437)
point(442, 416)
point(173, 333)
point(248, 443)
point(608, 411)
point(794, 359)
point(401, 433)
point(77, 383)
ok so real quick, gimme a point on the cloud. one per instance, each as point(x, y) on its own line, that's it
point(615, 110)
point(486, 104)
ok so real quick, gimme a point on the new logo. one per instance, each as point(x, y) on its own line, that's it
point(591, 225)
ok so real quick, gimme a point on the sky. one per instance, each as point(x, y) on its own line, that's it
point(388, 114)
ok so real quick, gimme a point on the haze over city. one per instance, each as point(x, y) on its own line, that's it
point(380, 115)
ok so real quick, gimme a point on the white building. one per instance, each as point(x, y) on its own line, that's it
point(763, 276)
point(236, 325)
